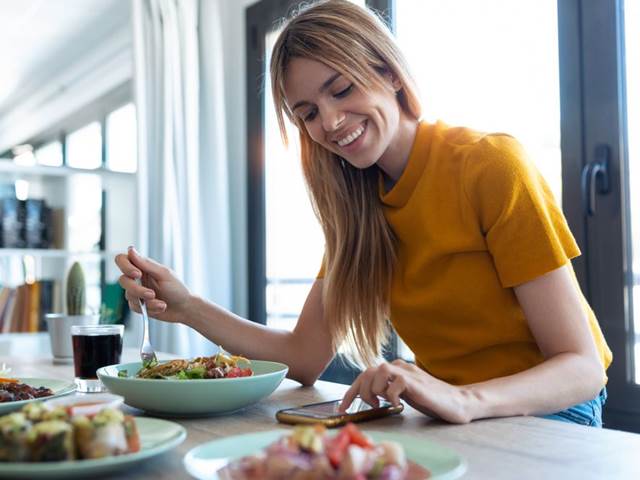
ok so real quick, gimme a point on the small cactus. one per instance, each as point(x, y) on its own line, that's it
point(75, 290)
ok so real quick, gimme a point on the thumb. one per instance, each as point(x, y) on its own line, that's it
point(146, 265)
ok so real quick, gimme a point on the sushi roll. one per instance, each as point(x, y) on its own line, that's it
point(34, 411)
point(57, 413)
point(14, 429)
point(131, 433)
point(51, 441)
point(102, 435)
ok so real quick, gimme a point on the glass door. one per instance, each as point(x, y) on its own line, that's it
point(609, 41)
point(632, 107)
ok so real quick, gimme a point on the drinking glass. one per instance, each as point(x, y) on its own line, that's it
point(94, 346)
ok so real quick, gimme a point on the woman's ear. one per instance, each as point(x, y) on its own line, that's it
point(396, 83)
point(394, 80)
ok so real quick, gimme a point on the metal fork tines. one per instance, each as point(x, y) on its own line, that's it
point(147, 354)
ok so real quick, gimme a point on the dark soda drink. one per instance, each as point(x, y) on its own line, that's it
point(90, 352)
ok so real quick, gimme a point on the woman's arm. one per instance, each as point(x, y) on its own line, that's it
point(307, 350)
point(571, 373)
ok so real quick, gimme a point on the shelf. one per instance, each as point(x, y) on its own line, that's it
point(53, 253)
point(41, 170)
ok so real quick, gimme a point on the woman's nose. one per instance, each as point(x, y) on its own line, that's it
point(332, 119)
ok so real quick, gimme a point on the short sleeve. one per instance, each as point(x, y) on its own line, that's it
point(525, 229)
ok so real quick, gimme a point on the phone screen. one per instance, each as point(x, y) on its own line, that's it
point(330, 409)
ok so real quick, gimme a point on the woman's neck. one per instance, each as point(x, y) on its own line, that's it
point(395, 158)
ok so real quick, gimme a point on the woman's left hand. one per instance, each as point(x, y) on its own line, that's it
point(401, 380)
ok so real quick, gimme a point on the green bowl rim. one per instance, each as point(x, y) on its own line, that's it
point(282, 370)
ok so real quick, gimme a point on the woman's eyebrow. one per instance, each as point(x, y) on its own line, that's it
point(323, 87)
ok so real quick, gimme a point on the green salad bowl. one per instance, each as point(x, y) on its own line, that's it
point(189, 398)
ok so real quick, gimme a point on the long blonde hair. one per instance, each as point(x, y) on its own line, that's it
point(360, 250)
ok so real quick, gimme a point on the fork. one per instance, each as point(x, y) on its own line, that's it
point(147, 354)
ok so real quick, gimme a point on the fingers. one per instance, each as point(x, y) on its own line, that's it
point(134, 290)
point(380, 381)
point(146, 265)
point(154, 307)
point(126, 267)
point(362, 387)
point(387, 380)
point(350, 396)
point(395, 389)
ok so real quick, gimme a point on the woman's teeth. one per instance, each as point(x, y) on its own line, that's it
point(351, 137)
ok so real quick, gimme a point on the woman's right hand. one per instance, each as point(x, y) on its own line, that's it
point(166, 297)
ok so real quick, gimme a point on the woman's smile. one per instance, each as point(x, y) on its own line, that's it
point(354, 140)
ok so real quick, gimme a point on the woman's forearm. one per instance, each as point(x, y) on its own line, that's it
point(554, 385)
point(252, 340)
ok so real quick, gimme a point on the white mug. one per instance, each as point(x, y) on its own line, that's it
point(59, 327)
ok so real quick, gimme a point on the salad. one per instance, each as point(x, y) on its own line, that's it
point(309, 453)
point(220, 365)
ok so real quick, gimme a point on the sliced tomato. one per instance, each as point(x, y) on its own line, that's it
point(337, 446)
point(356, 436)
point(239, 372)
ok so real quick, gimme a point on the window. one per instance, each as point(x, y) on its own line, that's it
point(294, 241)
point(490, 65)
point(121, 143)
point(50, 154)
point(632, 55)
point(84, 147)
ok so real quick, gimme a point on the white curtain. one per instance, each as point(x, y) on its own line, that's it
point(183, 180)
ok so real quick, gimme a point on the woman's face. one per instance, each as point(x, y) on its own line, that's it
point(356, 125)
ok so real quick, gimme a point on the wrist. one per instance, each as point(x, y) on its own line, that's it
point(474, 403)
point(188, 312)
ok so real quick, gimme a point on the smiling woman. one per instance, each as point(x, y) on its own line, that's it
point(448, 233)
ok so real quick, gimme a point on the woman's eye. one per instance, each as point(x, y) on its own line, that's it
point(345, 92)
point(310, 116)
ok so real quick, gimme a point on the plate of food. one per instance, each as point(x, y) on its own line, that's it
point(311, 452)
point(214, 385)
point(16, 392)
point(72, 440)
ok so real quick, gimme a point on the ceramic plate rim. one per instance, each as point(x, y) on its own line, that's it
point(191, 456)
point(66, 389)
point(75, 466)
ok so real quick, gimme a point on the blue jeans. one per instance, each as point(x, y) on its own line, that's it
point(587, 413)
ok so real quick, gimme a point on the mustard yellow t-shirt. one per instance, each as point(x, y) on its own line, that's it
point(473, 218)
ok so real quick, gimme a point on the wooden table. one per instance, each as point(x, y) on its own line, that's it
point(506, 448)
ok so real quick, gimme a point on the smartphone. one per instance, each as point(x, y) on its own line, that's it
point(327, 413)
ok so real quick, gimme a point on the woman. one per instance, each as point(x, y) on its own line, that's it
point(450, 234)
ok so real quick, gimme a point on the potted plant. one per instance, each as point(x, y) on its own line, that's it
point(59, 324)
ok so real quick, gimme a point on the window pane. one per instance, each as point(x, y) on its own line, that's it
point(84, 147)
point(632, 67)
point(121, 148)
point(294, 240)
point(489, 65)
point(83, 212)
point(50, 154)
